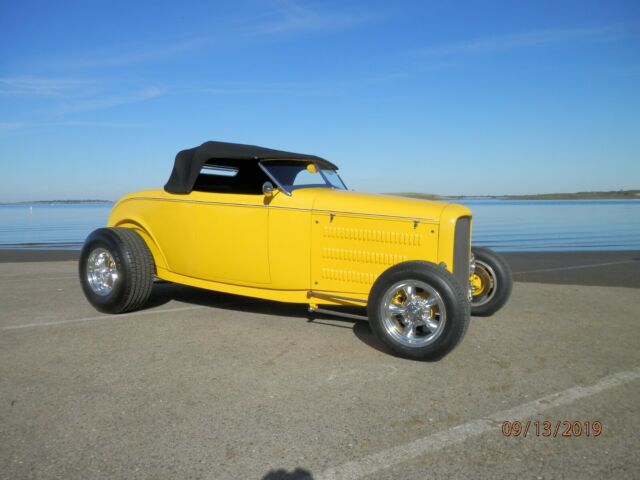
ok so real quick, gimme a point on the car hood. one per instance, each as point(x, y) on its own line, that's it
point(336, 201)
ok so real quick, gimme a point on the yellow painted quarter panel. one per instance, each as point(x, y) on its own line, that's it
point(218, 237)
point(226, 242)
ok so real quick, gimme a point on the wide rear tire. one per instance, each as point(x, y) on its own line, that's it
point(116, 270)
point(418, 310)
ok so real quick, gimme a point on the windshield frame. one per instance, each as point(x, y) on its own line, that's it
point(329, 182)
point(288, 190)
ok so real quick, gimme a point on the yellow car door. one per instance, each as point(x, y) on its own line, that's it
point(221, 237)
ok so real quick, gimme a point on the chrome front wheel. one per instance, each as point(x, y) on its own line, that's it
point(418, 310)
point(413, 313)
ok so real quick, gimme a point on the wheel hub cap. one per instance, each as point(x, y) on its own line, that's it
point(477, 286)
point(484, 284)
point(413, 313)
point(102, 271)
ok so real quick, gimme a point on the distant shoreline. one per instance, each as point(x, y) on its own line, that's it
point(60, 202)
point(611, 195)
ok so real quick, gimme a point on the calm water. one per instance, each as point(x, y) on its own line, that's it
point(556, 225)
point(506, 225)
point(50, 226)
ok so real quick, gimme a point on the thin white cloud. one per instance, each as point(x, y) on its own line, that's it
point(257, 88)
point(68, 123)
point(12, 125)
point(41, 86)
point(292, 16)
point(521, 40)
point(300, 88)
point(286, 16)
point(63, 96)
point(130, 57)
point(109, 101)
point(89, 123)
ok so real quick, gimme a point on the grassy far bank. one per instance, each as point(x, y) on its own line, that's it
point(611, 195)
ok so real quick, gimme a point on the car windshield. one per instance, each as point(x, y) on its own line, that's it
point(292, 175)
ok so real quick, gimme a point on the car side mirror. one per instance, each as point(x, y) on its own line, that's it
point(267, 189)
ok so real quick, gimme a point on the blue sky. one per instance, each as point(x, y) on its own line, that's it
point(448, 97)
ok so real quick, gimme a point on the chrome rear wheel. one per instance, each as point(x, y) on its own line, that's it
point(101, 271)
point(116, 270)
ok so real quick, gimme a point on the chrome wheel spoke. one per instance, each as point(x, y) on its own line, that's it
point(409, 291)
point(431, 324)
point(410, 331)
point(430, 302)
point(397, 309)
point(420, 319)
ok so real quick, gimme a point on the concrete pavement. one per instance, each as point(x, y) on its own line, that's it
point(615, 268)
point(205, 385)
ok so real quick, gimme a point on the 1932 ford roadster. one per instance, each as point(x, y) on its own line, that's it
point(282, 226)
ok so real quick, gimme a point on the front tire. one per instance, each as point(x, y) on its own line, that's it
point(491, 282)
point(116, 270)
point(418, 310)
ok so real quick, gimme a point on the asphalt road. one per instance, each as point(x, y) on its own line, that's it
point(606, 269)
point(212, 386)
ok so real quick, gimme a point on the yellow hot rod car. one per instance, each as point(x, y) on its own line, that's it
point(282, 226)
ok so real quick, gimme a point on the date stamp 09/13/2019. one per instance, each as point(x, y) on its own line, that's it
point(552, 428)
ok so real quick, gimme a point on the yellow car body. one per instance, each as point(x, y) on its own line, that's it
point(283, 226)
point(317, 245)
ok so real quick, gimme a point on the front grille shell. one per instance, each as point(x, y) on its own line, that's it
point(462, 250)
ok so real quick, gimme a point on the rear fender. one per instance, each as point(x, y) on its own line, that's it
point(158, 257)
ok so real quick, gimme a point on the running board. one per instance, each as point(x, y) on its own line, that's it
point(337, 298)
point(338, 314)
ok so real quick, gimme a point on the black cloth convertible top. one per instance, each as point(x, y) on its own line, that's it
point(189, 162)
